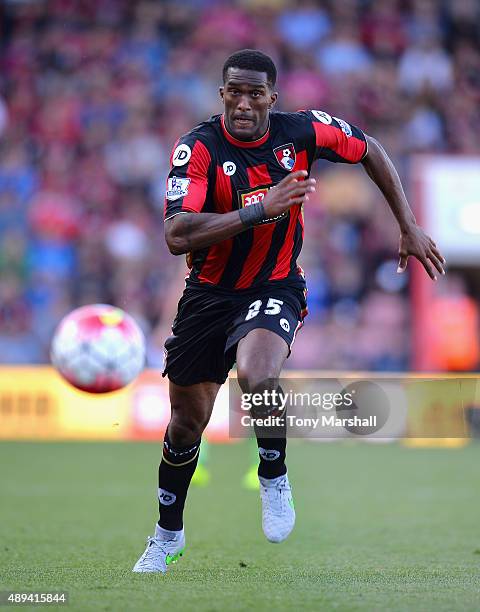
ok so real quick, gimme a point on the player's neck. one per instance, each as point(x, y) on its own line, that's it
point(252, 142)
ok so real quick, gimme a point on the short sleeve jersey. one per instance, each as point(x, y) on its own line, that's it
point(211, 171)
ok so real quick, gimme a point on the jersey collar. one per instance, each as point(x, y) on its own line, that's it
point(244, 144)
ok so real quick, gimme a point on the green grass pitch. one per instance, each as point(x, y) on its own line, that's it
point(379, 527)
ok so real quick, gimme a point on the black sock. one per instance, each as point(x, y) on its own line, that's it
point(272, 444)
point(174, 474)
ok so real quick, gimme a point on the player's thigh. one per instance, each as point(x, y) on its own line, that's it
point(260, 358)
point(195, 352)
point(264, 331)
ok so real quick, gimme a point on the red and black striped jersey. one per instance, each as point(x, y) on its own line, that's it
point(211, 171)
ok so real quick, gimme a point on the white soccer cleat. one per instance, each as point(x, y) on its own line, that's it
point(278, 513)
point(160, 553)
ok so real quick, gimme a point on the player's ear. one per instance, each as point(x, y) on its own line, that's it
point(221, 91)
point(273, 99)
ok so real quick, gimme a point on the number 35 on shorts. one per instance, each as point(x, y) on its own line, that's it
point(273, 307)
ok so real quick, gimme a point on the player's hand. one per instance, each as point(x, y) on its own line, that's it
point(293, 189)
point(416, 243)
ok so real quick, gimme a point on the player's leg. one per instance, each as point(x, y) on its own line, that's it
point(196, 367)
point(260, 357)
point(263, 333)
point(191, 410)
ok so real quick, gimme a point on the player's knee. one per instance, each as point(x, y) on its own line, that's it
point(184, 433)
point(184, 430)
point(257, 380)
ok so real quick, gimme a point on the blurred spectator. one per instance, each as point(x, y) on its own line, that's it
point(136, 155)
point(425, 65)
point(424, 130)
point(384, 30)
point(343, 54)
point(303, 25)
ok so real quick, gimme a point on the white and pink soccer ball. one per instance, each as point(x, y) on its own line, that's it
point(98, 348)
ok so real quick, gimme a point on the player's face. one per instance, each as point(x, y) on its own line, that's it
point(247, 97)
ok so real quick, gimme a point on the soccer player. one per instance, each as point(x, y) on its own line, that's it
point(234, 200)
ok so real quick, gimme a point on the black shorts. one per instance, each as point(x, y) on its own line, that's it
point(210, 323)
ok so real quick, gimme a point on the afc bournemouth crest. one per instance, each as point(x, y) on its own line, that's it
point(285, 155)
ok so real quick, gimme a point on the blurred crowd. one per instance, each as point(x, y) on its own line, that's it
point(93, 94)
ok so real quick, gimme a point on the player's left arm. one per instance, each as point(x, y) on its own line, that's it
point(332, 138)
point(413, 240)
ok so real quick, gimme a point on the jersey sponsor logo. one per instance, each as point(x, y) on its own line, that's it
point(322, 116)
point(177, 187)
point(247, 197)
point(166, 498)
point(346, 129)
point(285, 325)
point(181, 155)
point(285, 155)
point(267, 454)
point(229, 168)
point(253, 197)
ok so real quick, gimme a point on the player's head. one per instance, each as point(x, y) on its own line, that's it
point(248, 94)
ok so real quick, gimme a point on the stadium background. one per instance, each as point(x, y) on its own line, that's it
point(93, 94)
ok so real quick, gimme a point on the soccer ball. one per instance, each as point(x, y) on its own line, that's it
point(98, 348)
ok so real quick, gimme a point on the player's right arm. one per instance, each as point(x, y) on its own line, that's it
point(189, 228)
point(192, 231)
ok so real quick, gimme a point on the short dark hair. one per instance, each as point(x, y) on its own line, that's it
point(250, 59)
